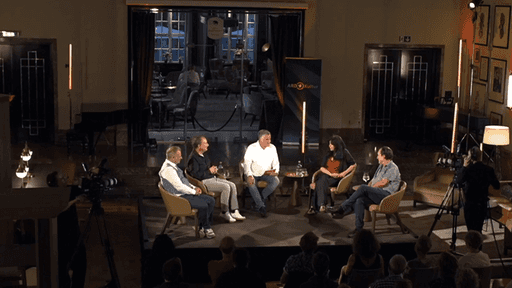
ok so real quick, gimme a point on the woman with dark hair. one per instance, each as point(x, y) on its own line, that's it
point(365, 256)
point(335, 165)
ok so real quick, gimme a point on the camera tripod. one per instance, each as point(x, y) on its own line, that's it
point(452, 205)
point(99, 214)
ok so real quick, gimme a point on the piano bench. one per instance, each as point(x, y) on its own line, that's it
point(77, 136)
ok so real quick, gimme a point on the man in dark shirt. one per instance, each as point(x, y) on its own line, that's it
point(477, 177)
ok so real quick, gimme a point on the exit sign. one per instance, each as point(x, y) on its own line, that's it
point(405, 39)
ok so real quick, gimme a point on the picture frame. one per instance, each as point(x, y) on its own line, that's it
point(483, 74)
point(495, 118)
point(498, 70)
point(477, 102)
point(501, 26)
point(482, 24)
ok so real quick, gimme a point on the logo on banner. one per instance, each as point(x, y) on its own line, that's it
point(301, 86)
point(215, 28)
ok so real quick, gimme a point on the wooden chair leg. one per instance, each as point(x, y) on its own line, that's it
point(374, 219)
point(196, 225)
point(167, 222)
point(399, 222)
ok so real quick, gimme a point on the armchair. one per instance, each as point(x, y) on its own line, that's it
point(198, 183)
point(178, 113)
point(218, 80)
point(260, 184)
point(431, 187)
point(177, 207)
point(389, 205)
point(342, 188)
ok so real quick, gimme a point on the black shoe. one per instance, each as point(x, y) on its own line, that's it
point(351, 234)
point(336, 215)
point(334, 210)
point(263, 212)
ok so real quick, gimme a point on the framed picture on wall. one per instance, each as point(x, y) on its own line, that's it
point(482, 24)
point(501, 26)
point(495, 118)
point(484, 69)
point(477, 102)
point(498, 72)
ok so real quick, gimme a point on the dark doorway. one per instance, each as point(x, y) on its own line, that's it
point(399, 82)
point(27, 72)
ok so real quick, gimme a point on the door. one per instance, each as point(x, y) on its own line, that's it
point(399, 83)
point(26, 71)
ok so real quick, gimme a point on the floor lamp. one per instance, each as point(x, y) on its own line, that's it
point(497, 136)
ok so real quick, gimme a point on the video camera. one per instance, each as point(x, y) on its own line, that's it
point(450, 160)
point(95, 184)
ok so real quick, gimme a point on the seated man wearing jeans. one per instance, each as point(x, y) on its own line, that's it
point(174, 181)
point(261, 163)
point(384, 183)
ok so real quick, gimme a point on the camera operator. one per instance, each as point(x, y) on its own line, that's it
point(477, 177)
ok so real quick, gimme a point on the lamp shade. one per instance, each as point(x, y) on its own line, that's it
point(496, 135)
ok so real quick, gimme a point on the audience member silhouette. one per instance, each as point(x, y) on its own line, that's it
point(320, 279)
point(422, 247)
point(217, 267)
point(241, 275)
point(474, 258)
point(163, 249)
point(397, 265)
point(467, 278)
point(365, 255)
point(299, 268)
point(172, 272)
point(448, 266)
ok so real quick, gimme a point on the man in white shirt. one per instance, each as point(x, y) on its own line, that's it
point(174, 181)
point(261, 163)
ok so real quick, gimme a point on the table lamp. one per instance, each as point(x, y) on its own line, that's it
point(498, 136)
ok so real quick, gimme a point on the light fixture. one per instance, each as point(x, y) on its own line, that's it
point(5, 33)
point(474, 3)
point(496, 135)
point(265, 47)
point(22, 170)
point(26, 153)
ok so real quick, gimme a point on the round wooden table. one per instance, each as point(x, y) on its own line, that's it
point(295, 200)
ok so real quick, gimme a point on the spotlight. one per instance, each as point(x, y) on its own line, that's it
point(474, 3)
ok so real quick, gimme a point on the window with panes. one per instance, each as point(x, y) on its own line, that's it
point(170, 37)
point(245, 32)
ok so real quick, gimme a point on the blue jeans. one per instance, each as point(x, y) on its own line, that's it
point(259, 200)
point(204, 205)
point(363, 197)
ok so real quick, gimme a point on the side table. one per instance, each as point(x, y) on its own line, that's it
point(295, 200)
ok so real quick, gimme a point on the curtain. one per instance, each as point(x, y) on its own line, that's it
point(141, 58)
point(285, 42)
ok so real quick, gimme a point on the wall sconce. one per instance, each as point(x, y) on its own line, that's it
point(474, 3)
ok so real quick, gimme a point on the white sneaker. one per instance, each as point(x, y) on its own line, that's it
point(209, 233)
point(237, 215)
point(228, 217)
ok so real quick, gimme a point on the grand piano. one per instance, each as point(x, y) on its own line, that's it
point(96, 117)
